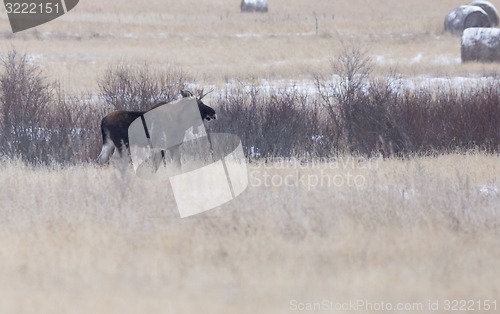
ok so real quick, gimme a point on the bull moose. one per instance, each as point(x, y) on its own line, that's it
point(114, 127)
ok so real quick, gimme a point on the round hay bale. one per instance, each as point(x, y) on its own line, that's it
point(489, 9)
point(481, 44)
point(254, 6)
point(465, 16)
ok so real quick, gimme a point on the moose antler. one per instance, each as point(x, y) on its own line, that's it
point(203, 95)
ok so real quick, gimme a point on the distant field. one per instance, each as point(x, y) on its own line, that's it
point(405, 231)
point(214, 42)
point(89, 240)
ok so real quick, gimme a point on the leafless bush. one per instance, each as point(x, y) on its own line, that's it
point(136, 87)
point(75, 134)
point(38, 123)
point(370, 117)
point(25, 100)
point(346, 98)
point(279, 123)
point(357, 114)
point(374, 116)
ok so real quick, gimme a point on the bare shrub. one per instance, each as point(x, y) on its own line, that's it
point(376, 116)
point(353, 114)
point(25, 99)
point(75, 134)
point(470, 117)
point(278, 123)
point(372, 117)
point(346, 97)
point(137, 87)
point(39, 123)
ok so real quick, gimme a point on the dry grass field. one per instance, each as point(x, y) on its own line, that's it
point(90, 240)
point(342, 236)
point(214, 42)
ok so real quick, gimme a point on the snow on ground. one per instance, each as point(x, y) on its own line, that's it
point(309, 87)
point(489, 190)
point(418, 58)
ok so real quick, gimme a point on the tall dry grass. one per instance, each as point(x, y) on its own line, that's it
point(80, 239)
point(86, 239)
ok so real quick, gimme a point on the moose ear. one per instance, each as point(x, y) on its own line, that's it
point(186, 93)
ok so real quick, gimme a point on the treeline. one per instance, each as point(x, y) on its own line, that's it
point(353, 114)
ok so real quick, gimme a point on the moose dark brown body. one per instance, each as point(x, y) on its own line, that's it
point(114, 127)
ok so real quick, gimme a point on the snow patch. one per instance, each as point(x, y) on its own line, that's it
point(417, 59)
point(489, 189)
point(446, 60)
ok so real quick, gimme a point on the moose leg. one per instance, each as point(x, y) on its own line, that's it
point(124, 152)
point(175, 155)
point(171, 159)
point(108, 148)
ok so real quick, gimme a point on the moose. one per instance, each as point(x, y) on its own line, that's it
point(114, 127)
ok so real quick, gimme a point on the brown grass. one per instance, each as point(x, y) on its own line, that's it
point(89, 240)
point(214, 42)
point(82, 239)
